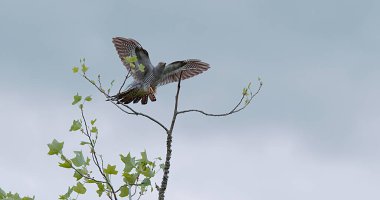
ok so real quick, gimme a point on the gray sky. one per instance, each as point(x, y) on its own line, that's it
point(312, 133)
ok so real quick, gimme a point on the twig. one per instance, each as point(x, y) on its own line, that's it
point(133, 112)
point(126, 77)
point(234, 110)
point(95, 157)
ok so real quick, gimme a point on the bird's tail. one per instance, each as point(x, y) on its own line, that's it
point(133, 95)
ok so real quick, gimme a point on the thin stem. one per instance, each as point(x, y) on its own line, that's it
point(132, 111)
point(95, 157)
point(234, 110)
point(126, 77)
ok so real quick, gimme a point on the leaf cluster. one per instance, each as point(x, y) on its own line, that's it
point(136, 172)
point(12, 196)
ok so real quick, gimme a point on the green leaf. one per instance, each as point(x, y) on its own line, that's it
point(67, 195)
point(162, 166)
point(84, 143)
point(88, 98)
point(245, 91)
point(87, 161)
point(94, 129)
point(2, 194)
point(93, 122)
point(111, 169)
point(84, 68)
point(144, 157)
point(77, 175)
point(146, 171)
point(133, 66)
point(90, 181)
point(66, 164)
point(124, 191)
point(128, 161)
point(76, 125)
point(141, 67)
point(101, 189)
point(130, 178)
point(79, 188)
point(130, 59)
point(77, 99)
point(78, 160)
point(55, 147)
point(145, 182)
point(75, 70)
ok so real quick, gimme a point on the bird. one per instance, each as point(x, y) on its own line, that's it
point(146, 77)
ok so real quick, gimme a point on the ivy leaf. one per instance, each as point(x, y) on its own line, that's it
point(79, 188)
point(66, 164)
point(78, 160)
point(93, 122)
point(77, 99)
point(75, 70)
point(55, 147)
point(84, 68)
point(76, 125)
point(101, 189)
point(111, 169)
point(141, 67)
point(88, 98)
point(124, 191)
point(128, 161)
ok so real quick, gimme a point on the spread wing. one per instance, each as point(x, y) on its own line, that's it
point(189, 68)
point(129, 48)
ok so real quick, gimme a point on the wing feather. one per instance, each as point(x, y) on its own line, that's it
point(127, 47)
point(189, 68)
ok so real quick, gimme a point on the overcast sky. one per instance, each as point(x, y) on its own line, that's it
point(312, 132)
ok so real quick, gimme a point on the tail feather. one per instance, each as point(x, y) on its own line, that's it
point(137, 99)
point(152, 97)
point(144, 100)
point(134, 95)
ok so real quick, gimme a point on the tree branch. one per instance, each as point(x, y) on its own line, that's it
point(169, 140)
point(94, 155)
point(132, 111)
point(234, 110)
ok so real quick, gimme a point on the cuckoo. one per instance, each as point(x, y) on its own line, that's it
point(146, 77)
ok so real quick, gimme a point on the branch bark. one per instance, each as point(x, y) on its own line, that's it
point(169, 140)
